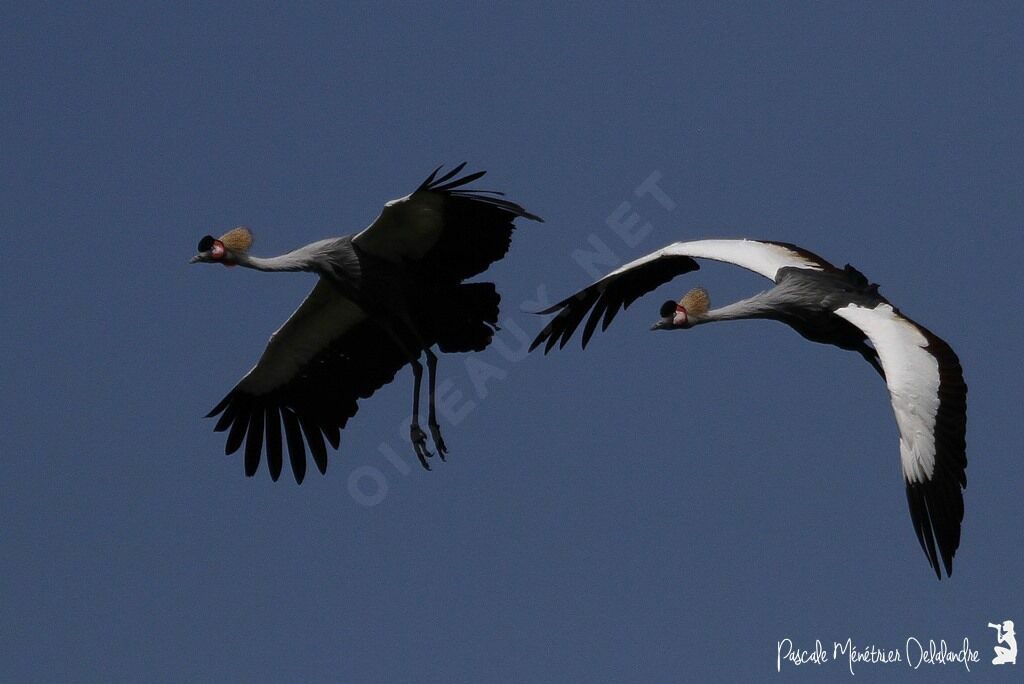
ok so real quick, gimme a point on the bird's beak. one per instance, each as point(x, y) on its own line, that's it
point(199, 258)
point(660, 325)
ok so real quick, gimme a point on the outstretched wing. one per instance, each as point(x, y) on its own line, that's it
point(621, 287)
point(929, 398)
point(324, 358)
point(443, 230)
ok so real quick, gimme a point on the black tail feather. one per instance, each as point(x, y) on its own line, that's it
point(466, 318)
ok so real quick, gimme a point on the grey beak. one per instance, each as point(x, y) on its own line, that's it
point(196, 259)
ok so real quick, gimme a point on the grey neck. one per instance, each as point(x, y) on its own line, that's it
point(761, 305)
point(292, 261)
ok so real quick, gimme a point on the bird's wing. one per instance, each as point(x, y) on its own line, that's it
point(444, 230)
point(324, 358)
point(929, 398)
point(621, 287)
point(763, 257)
point(323, 316)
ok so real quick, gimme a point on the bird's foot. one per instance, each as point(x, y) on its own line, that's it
point(419, 444)
point(435, 434)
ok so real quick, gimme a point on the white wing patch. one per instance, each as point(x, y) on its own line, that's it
point(912, 375)
point(322, 317)
point(406, 229)
point(762, 258)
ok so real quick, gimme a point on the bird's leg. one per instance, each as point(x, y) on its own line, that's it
point(418, 437)
point(416, 434)
point(435, 429)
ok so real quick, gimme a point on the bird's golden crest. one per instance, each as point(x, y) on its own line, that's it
point(237, 239)
point(696, 301)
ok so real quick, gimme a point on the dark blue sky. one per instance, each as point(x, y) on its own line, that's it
point(662, 507)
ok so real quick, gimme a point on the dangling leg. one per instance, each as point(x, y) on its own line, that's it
point(416, 434)
point(435, 429)
point(419, 439)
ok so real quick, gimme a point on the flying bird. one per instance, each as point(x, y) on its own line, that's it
point(384, 298)
point(832, 306)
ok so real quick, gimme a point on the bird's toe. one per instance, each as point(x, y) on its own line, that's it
point(419, 445)
point(435, 434)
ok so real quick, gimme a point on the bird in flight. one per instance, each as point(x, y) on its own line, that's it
point(385, 296)
point(832, 306)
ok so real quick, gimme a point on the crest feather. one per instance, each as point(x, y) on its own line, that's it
point(237, 239)
point(696, 301)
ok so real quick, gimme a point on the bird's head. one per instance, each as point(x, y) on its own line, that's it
point(681, 316)
point(224, 250)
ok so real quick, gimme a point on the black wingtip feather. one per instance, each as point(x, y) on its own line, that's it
point(923, 524)
point(254, 443)
point(550, 344)
point(434, 185)
point(230, 406)
point(541, 336)
point(219, 407)
point(333, 435)
point(296, 450)
point(937, 504)
point(237, 433)
point(459, 182)
point(273, 425)
point(316, 444)
point(430, 179)
point(606, 298)
point(478, 225)
point(591, 327)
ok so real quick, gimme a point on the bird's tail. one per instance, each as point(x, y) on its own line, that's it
point(467, 317)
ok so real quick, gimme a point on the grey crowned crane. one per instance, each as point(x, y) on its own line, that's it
point(832, 306)
point(384, 297)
